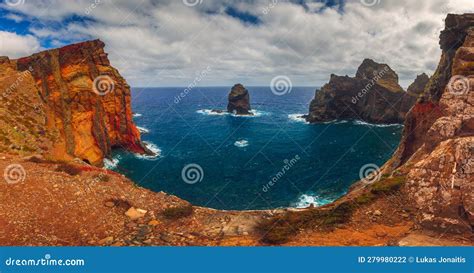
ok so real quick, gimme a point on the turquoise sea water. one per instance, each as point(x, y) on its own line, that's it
point(227, 162)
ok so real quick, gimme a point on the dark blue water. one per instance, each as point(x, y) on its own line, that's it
point(321, 161)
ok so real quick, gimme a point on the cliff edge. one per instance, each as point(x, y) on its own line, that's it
point(73, 104)
point(437, 147)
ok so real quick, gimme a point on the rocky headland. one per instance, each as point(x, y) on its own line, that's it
point(56, 128)
point(373, 95)
point(66, 103)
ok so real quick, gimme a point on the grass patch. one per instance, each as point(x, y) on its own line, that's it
point(365, 198)
point(279, 229)
point(69, 169)
point(388, 186)
point(179, 212)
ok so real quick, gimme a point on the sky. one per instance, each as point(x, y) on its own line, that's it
point(159, 43)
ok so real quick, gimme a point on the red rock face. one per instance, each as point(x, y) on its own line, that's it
point(437, 148)
point(88, 101)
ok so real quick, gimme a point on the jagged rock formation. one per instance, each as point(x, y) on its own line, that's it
point(373, 95)
point(80, 100)
point(239, 100)
point(437, 148)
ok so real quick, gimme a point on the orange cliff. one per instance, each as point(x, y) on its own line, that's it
point(437, 148)
point(84, 101)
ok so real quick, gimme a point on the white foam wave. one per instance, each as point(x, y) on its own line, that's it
point(143, 130)
point(306, 200)
point(241, 143)
point(363, 123)
point(152, 147)
point(210, 112)
point(111, 163)
point(297, 118)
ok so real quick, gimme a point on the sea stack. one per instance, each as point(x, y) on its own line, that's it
point(239, 101)
point(373, 95)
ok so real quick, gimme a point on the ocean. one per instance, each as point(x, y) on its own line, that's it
point(271, 160)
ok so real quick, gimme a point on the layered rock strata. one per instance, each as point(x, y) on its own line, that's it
point(373, 95)
point(80, 98)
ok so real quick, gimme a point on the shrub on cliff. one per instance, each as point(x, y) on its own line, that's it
point(69, 169)
point(179, 212)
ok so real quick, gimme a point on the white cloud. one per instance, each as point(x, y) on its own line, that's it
point(159, 43)
point(15, 46)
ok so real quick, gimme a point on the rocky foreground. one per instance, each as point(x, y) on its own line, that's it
point(423, 196)
point(373, 95)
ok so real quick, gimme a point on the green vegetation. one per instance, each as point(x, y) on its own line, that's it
point(69, 169)
point(179, 212)
point(280, 228)
point(388, 186)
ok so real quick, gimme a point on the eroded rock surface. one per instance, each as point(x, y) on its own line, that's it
point(79, 99)
point(239, 100)
point(437, 148)
point(373, 95)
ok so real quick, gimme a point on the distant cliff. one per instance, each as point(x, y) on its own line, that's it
point(81, 103)
point(437, 147)
point(373, 95)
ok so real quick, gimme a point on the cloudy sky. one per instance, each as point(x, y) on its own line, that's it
point(170, 42)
